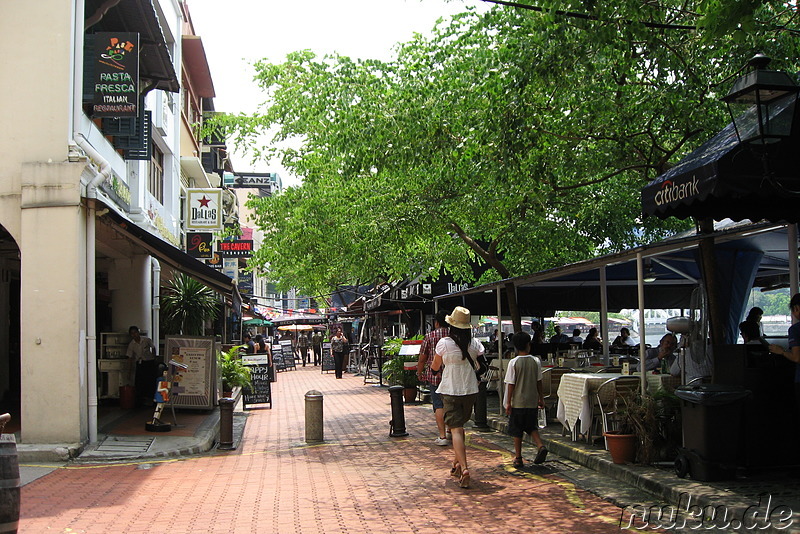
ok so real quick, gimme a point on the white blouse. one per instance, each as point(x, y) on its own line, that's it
point(458, 376)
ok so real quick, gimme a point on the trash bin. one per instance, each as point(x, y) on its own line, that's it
point(713, 431)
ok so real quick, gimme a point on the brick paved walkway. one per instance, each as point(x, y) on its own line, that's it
point(359, 480)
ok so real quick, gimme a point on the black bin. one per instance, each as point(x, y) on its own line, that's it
point(713, 431)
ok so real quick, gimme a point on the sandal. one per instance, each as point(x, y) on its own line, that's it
point(540, 456)
point(464, 480)
point(518, 462)
point(456, 469)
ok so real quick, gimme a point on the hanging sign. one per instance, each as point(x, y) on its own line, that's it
point(203, 209)
point(239, 248)
point(116, 75)
point(200, 245)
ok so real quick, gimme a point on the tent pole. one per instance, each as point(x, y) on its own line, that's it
point(604, 313)
point(642, 326)
point(793, 275)
point(500, 378)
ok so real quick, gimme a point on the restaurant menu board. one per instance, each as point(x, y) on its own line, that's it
point(260, 392)
point(116, 71)
point(327, 358)
point(192, 387)
point(288, 353)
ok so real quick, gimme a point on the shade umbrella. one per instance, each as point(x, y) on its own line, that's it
point(296, 327)
point(257, 322)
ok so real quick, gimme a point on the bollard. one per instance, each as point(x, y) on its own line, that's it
point(479, 414)
point(9, 481)
point(397, 426)
point(314, 430)
point(226, 424)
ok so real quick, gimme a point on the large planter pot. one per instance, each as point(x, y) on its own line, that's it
point(622, 447)
point(409, 394)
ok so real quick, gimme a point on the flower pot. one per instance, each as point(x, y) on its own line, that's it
point(621, 446)
point(409, 394)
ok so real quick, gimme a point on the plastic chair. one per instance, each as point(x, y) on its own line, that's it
point(607, 402)
point(551, 378)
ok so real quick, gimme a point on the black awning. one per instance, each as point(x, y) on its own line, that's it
point(170, 255)
point(724, 179)
point(155, 61)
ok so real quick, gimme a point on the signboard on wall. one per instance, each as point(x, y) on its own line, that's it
point(237, 248)
point(203, 209)
point(193, 387)
point(116, 74)
point(200, 245)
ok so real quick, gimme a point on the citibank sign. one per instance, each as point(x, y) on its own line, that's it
point(672, 192)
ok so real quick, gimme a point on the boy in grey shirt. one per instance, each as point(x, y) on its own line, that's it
point(524, 397)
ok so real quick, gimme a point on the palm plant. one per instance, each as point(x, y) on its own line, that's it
point(187, 304)
point(233, 372)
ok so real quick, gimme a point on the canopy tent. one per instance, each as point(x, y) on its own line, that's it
point(578, 286)
point(724, 178)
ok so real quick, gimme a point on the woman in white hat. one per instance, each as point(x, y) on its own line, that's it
point(457, 357)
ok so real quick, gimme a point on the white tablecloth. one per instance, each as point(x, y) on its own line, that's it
point(574, 398)
point(576, 390)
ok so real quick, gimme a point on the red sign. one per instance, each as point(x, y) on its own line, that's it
point(241, 248)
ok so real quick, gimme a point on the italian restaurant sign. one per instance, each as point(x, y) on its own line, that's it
point(116, 74)
point(203, 209)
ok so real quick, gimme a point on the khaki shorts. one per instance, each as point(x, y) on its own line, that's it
point(458, 409)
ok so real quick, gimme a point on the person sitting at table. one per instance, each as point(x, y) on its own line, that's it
point(593, 341)
point(694, 369)
point(751, 333)
point(576, 337)
point(623, 339)
point(559, 337)
point(665, 351)
point(537, 336)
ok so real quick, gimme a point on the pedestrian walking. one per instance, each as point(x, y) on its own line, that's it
point(524, 397)
point(427, 352)
point(338, 343)
point(316, 346)
point(302, 345)
point(457, 357)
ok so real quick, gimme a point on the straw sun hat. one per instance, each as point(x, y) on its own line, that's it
point(460, 318)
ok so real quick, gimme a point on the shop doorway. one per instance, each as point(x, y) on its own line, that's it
point(10, 385)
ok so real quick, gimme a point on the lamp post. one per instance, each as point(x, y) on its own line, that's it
point(761, 103)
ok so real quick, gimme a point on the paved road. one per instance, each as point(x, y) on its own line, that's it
point(359, 480)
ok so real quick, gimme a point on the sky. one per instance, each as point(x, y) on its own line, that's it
point(236, 33)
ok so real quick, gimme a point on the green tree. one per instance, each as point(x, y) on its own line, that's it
point(515, 139)
point(187, 304)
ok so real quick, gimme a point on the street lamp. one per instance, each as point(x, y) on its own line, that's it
point(761, 103)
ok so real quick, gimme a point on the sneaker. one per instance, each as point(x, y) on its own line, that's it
point(441, 442)
point(448, 436)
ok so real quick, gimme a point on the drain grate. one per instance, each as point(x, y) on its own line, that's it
point(125, 444)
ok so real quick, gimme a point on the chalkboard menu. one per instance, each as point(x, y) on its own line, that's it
point(288, 354)
point(260, 392)
point(327, 358)
point(116, 71)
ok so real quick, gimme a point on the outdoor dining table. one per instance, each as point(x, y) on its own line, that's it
point(575, 396)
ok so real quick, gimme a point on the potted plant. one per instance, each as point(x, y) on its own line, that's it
point(635, 436)
point(233, 372)
point(394, 370)
point(186, 305)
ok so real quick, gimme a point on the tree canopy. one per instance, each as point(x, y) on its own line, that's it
point(514, 139)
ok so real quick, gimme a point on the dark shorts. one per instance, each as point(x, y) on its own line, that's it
point(523, 420)
point(458, 409)
point(436, 399)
